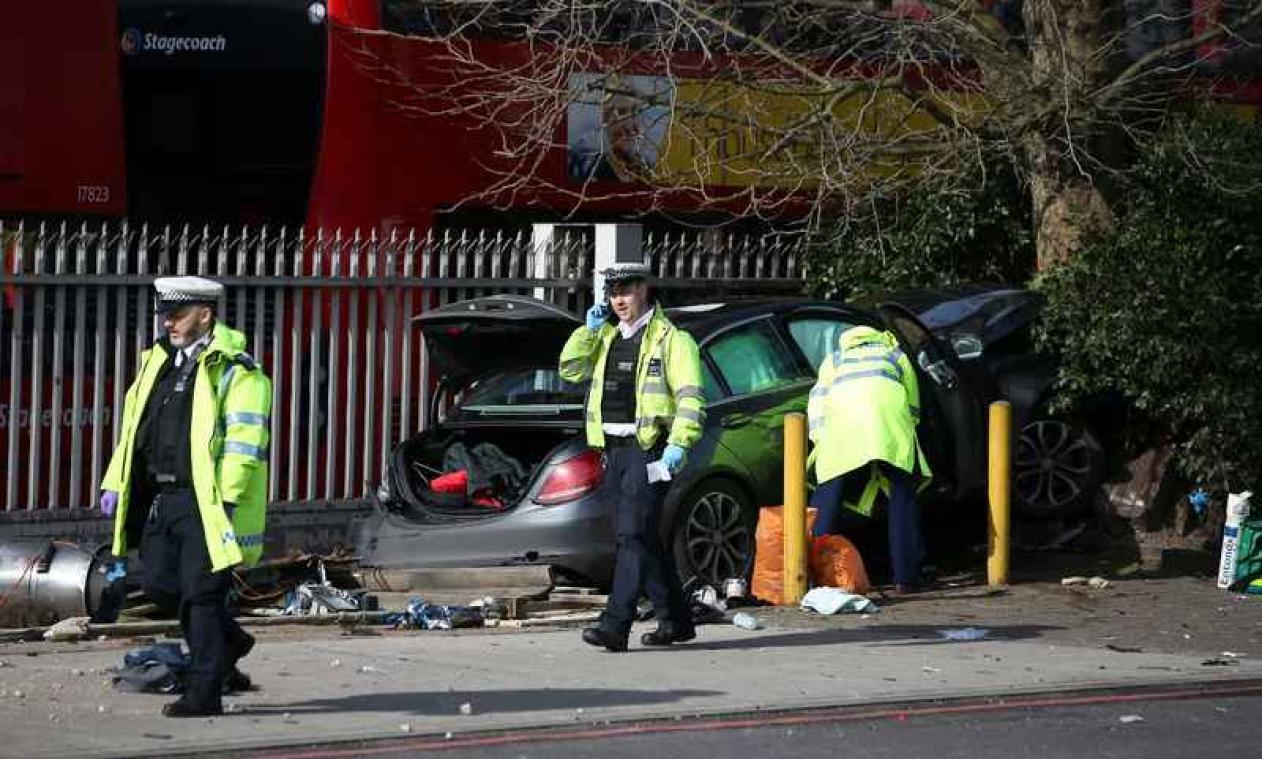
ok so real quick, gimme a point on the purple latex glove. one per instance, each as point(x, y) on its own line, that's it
point(109, 502)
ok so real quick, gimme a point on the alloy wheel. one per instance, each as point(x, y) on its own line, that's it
point(717, 537)
point(1056, 466)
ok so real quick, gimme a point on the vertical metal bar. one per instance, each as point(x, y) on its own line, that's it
point(75, 498)
point(181, 266)
point(15, 371)
point(143, 313)
point(405, 332)
point(242, 270)
point(203, 251)
point(389, 334)
point(295, 369)
point(34, 462)
point(120, 334)
point(97, 455)
point(7, 418)
point(257, 347)
point(315, 340)
point(278, 376)
point(332, 444)
point(370, 358)
point(352, 375)
point(422, 406)
point(52, 476)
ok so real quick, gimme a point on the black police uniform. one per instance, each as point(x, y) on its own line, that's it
point(643, 563)
point(177, 568)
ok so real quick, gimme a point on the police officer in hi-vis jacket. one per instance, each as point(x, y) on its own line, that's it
point(645, 406)
point(188, 480)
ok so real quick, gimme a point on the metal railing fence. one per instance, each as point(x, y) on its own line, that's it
point(326, 313)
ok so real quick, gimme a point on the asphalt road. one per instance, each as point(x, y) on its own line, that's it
point(1116, 725)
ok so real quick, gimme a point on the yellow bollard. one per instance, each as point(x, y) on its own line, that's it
point(794, 508)
point(1000, 492)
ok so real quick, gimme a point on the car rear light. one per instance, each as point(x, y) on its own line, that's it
point(572, 478)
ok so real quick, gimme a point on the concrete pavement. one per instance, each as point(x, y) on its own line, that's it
point(329, 688)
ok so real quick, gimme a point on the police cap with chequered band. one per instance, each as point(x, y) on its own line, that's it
point(626, 272)
point(176, 292)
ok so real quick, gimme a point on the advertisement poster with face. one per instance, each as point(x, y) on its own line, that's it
point(617, 126)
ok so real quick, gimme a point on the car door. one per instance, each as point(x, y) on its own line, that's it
point(757, 380)
point(953, 417)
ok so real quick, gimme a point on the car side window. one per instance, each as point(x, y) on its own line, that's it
point(817, 336)
point(752, 359)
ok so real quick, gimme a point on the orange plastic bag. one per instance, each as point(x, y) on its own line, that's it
point(836, 563)
point(767, 582)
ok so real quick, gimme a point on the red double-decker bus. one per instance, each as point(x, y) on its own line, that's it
point(295, 111)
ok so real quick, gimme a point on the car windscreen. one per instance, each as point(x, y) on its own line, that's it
point(520, 392)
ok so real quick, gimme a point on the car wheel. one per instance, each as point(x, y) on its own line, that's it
point(1056, 470)
point(713, 538)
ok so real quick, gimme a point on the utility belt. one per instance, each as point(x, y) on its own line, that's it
point(167, 483)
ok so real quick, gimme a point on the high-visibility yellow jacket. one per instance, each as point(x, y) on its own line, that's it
point(864, 409)
point(229, 435)
point(668, 394)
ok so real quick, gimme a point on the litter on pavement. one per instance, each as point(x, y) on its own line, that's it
point(420, 615)
point(833, 600)
point(964, 634)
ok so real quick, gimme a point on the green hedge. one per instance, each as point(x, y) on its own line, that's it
point(1167, 311)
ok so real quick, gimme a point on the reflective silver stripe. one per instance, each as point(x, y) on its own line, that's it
point(865, 374)
point(655, 387)
point(245, 541)
point(690, 391)
point(245, 449)
point(885, 358)
point(819, 392)
point(246, 417)
point(650, 421)
point(225, 379)
point(690, 414)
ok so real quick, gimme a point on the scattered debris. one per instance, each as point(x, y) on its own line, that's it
point(827, 600)
point(1216, 662)
point(1095, 583)
point(466, 708)
point(420, 615)
point(322, 598)
point(335, 663)
point(367, 669)
point(1125, 649)
point(965, 634)
point(745, 621)
point(1129, 719)
point(406, 727)
point(1233, 655)
point(930, 670)
point(74, 628)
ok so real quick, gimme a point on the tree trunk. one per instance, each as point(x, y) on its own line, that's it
point(1065, 38)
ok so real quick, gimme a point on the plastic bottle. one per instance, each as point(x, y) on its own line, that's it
point(745, 621)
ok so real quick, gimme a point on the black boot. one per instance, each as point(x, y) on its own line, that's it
point(668, 633)
point(599, 636)
point(184, 708)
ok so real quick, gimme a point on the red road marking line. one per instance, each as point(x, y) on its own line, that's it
point(543, 735)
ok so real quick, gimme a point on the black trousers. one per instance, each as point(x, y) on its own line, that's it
point(177, 577)
point(642, 564)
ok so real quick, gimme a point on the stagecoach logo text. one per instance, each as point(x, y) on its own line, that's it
point(134, 41)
